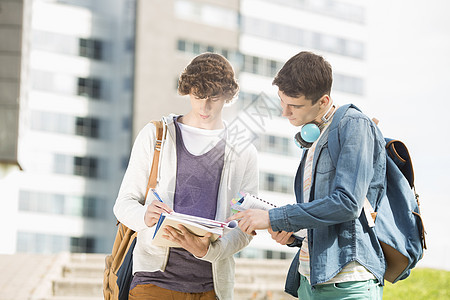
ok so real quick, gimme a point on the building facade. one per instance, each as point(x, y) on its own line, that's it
point(110, 67)
point(75, 125)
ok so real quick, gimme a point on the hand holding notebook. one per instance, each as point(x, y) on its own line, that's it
point(249, 201)
point(195, 225)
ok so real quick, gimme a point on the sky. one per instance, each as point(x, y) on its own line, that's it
point(409, 63)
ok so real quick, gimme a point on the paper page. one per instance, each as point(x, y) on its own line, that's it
point(174, 221)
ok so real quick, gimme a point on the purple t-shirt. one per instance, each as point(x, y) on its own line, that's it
point(197, 186)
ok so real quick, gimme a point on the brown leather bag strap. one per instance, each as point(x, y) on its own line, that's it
point(154, 171)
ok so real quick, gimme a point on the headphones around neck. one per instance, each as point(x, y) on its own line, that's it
point(310, 132)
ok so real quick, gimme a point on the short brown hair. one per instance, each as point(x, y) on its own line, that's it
point(208, 75)
point(305, 74)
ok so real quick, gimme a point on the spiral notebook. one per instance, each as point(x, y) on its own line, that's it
point(251, 202)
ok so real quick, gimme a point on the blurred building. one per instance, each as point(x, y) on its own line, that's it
point(85, 94)
point(14, 26)
point(257, 36)
point(74, 118)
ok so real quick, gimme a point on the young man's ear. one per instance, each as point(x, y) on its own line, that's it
point(324, 101)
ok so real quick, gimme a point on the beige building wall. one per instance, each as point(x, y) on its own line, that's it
point(158, 63)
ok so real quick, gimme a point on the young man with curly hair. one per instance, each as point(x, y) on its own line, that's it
point(200, 170)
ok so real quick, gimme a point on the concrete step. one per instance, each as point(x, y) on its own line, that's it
point(79, 287)
point(82, 279)
point(94, 258)
point(72, 298)
point(257, 291)
point(262, 263)
point(83, 270)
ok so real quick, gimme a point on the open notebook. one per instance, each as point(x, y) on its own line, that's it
point(196, 225)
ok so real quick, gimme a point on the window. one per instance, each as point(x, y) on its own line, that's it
point(273, 68)
point(304, 38)
point(181, 45)
point(89, 208)
point(59, 204)
point(88, 127)
point(91, 48)
point(82, 245)
point(51, 122)
point(349, 84)
point(48, 243)
point(274, 144)
point(225, 53)
point(277, 183)
point(89, 87)
point(86, 166)
point(212, 15)
point(255, 65)
point(41, 243)
point(196, 48)
point(250, 252)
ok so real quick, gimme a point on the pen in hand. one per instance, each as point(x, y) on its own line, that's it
point(157, 196)
point(160, 200)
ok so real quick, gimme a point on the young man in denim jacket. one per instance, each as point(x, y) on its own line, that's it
point(339, 256)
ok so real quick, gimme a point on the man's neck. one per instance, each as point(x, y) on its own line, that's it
point(189, 120)
point(327, 113)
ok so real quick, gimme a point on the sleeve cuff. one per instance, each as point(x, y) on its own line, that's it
point(278, 219)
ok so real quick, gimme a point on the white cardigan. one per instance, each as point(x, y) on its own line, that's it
point(239, 174)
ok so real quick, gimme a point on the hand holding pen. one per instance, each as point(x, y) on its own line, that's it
point(155, 209)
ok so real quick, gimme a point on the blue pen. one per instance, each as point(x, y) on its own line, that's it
point(157, 196)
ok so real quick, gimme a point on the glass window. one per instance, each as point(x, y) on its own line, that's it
point(54, 42)
point(49, 243)
point(82, 245)
point(212, 15)
point(273, 67)
point(88, 127)
point(86, 166)
point(275, 144)
point(299, 37)
point(349, 84)
point(59, 204)
point(89, 87)
point(196, 48)
point(62, 164)
point(181, 45)
point(225, 53)
point(277, 183)
point(90, 48)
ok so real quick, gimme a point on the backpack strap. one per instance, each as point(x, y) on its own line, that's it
point(333, 146)
point(160, 136)
point(333, 137)
point(152, 179)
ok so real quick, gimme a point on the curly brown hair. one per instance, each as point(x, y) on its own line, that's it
point(208, 75)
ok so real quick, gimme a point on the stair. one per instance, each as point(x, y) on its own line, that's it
point(80, 277)
point(258, 279)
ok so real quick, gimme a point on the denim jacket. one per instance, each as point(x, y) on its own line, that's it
point(337, 230)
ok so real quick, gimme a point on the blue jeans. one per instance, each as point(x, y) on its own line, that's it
point(354, 290)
